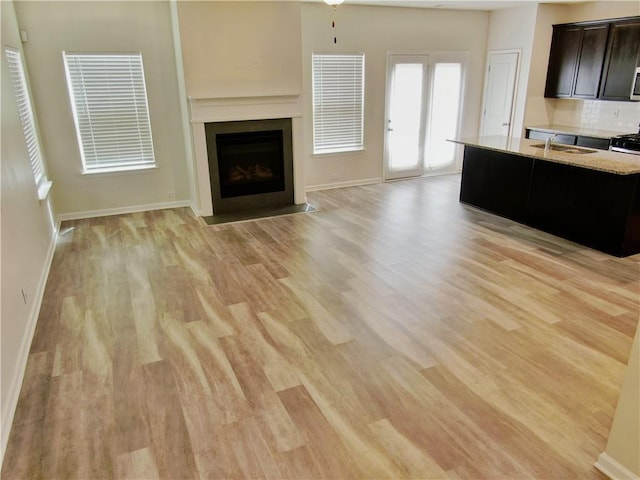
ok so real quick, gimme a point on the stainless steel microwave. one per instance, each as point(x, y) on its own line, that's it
point(635, 88)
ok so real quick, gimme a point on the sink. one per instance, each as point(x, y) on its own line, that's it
point(564, 148)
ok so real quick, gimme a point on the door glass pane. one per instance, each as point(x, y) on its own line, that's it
point(405, 116)
point(443, 115)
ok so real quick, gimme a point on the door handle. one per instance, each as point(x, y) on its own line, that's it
point(390, 129)
point(505, 124)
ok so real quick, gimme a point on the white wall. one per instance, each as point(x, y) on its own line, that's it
point(241, 49)
point(54, 27)
point(375, 31)
point(27, 239)
point(623, 445)
point(622, 455)
point(513, 29)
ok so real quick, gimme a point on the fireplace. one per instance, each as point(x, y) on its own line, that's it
point(235, 111)
point(250, 164)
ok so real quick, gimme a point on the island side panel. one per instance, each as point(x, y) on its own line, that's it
point(589, 207)
point(632, 237)
point(497, 182)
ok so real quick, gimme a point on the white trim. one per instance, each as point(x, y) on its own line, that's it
point(351, 183)
point(228, 109)
point(613, 469)
point(120, 210)
point(20, 367)
point(184, 106)
point(195, 211)
point(44, 189)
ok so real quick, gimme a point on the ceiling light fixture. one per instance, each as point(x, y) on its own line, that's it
point(334, 4)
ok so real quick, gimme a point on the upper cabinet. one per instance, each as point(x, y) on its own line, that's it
point(623, 56)
point(593, 60)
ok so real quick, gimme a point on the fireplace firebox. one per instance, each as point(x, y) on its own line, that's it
point(250, 164)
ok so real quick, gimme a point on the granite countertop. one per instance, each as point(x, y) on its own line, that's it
point(602, 160)
point(585, 132)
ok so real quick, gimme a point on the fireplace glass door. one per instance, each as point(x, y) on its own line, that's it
point(250, 164)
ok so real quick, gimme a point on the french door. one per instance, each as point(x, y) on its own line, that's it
point(424, 101)
point(405, 115)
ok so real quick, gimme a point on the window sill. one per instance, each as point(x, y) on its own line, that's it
point(120, 170)
point(339, 153)
point(43, 190)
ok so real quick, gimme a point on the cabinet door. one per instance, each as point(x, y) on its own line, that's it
point(590, 61)
point(559, 137)
point(622, 59)
point(563, 58)
point(593, 142)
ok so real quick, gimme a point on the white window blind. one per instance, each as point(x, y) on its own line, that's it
point(18, 78)
point(109, 101)
point(338, 102)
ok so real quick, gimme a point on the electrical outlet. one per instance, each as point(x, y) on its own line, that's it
point(24, 296)
point(171, 194)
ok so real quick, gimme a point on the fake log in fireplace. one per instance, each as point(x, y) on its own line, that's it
point(250, 164)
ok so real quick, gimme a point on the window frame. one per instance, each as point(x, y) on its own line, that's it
point(325, 125)
point(111, 89)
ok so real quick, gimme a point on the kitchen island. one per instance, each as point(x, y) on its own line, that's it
point(591, 197)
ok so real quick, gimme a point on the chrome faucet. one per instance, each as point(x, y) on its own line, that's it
point(548, 142)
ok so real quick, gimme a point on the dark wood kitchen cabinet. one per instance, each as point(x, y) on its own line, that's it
point(565, 47)
point(600, 143)
point(592, 207)
point(592, 60)
point(496, 181)
point(623, 56)
point(575, 61)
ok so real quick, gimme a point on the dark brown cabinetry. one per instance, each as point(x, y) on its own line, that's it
point(496, 181)
point(568, 139)
point(593, 59)
point(623, 55)
point(576, 59)
point(565, 48)
point(591, 207)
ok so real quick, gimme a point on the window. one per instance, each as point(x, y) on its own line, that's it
point(19, 81)
point(338, 103)
point(109, 103)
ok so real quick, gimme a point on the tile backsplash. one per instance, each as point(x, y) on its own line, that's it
point(620, 117)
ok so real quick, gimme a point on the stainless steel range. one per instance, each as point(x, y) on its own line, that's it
point(626, 143)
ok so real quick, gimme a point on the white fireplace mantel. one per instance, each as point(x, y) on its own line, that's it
point(228, 109)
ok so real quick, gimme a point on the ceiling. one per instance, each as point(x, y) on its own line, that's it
point(457, 4)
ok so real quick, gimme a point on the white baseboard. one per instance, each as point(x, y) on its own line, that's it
point(613, 469)
point(196, 212)
point(353, 183)
point(9, 410)
point(120, 210)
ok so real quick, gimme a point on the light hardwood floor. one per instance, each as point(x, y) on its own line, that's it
point(393, 334)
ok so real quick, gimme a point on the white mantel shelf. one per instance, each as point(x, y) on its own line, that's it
point(225, 109)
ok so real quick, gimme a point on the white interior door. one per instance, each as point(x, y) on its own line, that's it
point(405, 116)
point(499, 93)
